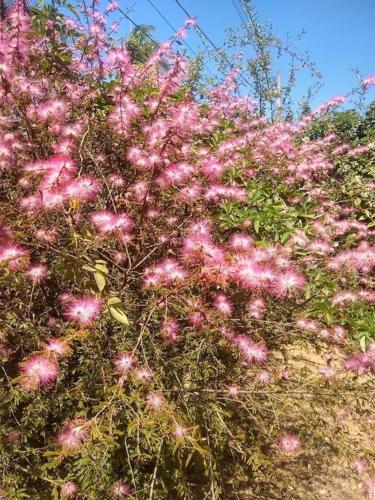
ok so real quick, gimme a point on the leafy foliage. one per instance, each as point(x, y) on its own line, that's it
point(187, 297)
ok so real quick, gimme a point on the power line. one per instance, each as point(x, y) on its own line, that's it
point(170, 25)
point(139, 27)
point(221, 53)
point(175, 31)
point(239, 11)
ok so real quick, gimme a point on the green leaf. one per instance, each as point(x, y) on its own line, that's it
point(114, 301)
point(119, 315)
point(100, 280)
point(100, 271)
point(362, 343)
point(101, 266)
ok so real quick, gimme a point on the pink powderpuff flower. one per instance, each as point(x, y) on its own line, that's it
point(321, 246)
point(248, 273)
point(68, 490)
point(180, 432)
point(169, 330)
point(166, 272)
point(360, 466)
point(155, 401)
point(338, 334)
point(288, 283)
point(37, 372)
point(13, 256)
point(344, 297)
point(46, 235)
point(256, 308)
point(288, 444)
point(64, 147)
point(307, 324)
point(56, 346)
point(121, 489)
point(253, 352)
point(119, 257)
point(233, 390)
point(83, 189)
point(196, 319)
point(264, 377)
point(124, 362)
point(116, 180)
point(362, 362)
point(212, 169)
point(223, 305)
point(73, 435)
point(108, 222)
point(143, 373)
point(241, 242)
point(83, 311)
point(368, 82)
point(37, 273)
point(199, 248)
point(328, 372)
point(369, 487)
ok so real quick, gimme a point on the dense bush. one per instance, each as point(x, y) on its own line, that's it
point(187, 300)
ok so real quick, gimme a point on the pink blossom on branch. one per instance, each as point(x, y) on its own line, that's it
point(82, 311)
point(38, 372)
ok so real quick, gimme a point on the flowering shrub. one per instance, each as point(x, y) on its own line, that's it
point(187, 300)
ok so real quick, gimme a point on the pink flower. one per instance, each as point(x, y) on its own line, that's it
point(83, 189)
point(12, 256)
point(362, 362)
point(264, 377)
point(360, 466)
point(241, 242)
point(223, 305)
point(56, 347)
point(179, 431)
point(37, 372)
point(121, 489)
point(124, 362)
point(253, 352)
point(155, 401)
point(169, 330)
point(37, 273)
point(256, 308)
point(166, 272)
point(108, 222)
point(68, 490)
point(327, 371)
point(368, 82)
point(73, 435)
point(83, 311)
point(46, 235)
point(143, 374)
point(288, 283)
point(233, 390)
point(116, 180)
point(289, 444)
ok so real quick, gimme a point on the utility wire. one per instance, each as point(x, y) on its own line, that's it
point(139, 27)
point(221, 54)
point(239, 11)
point(174, 30)
point(170, 25)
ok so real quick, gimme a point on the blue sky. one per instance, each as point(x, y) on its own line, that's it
point(339, 33)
